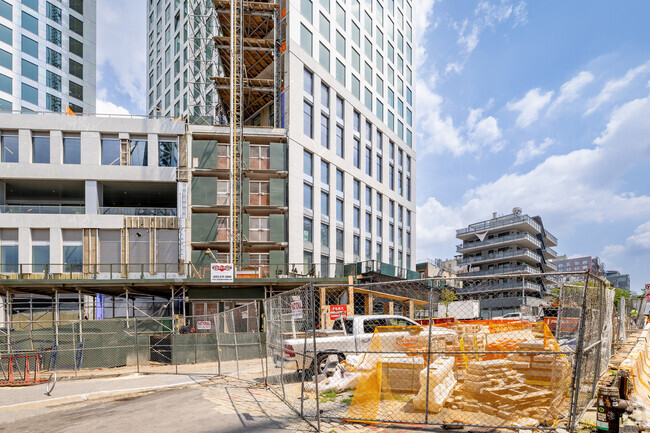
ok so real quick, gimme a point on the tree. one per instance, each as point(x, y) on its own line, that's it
point(447, 297)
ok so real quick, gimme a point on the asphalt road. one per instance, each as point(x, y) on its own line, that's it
point(174, 410)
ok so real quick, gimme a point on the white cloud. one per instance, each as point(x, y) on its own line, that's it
point(529, 106)
point(641, 236)
point(566, 190)
point(421, 23)
point(530, 150)
point(106, 107)
point(611, 251)
point(571, 90)
point(438, 132)
point(614, 86)
point(121, 44)
point(486, 15)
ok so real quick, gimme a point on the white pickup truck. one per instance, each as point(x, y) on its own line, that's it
point(350, 335)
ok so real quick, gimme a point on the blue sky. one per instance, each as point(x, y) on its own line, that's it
point(543, 105)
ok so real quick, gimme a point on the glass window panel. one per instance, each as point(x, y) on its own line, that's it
point(307, 196)
point(41, 150)
point(110, 151)
point(71, 150)
point(138, 152)
point(29, 22)
point(167, 153)
point(40, 258)
point(29, 93)
point(29, 70)
point(29, 46)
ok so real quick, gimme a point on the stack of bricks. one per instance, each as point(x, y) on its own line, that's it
point(538, 368)
point(497, 388)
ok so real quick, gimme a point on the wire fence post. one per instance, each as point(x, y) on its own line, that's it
point(234, 336)
point(558, 323)
point(173, 338)
point(316, 366)
point(137, 347)
point(428, 357)
point(599, 350)
point(575, 389)
point(217, 321)
point(259, 337)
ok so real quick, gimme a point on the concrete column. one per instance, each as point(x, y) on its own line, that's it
point(56, 147)
point(25, 248)
point(93, 197)
point(91, 148)
point(56, 250)
point(152, 150)
point(24, 146)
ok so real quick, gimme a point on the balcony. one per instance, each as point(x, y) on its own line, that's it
point(523, 239)
point(501, 256)
point(138, 211)
point(494, 223)
point(499, 287)
point(42, 209)
point(521, 269)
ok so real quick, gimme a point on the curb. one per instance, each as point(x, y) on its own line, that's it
point(97, 395)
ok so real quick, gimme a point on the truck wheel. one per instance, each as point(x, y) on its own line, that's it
point(321, 362)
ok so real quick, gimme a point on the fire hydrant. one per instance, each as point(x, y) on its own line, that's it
point(610, 409)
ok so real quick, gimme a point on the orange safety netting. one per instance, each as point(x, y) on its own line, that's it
point(473, 375)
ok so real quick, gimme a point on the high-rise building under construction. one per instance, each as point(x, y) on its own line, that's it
point(300, 146)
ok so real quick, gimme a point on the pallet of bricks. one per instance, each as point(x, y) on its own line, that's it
point(526, 389)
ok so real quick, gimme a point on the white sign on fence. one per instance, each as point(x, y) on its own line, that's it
point(221, 273)
point(244, 314)
point(204, 325)
point(296, 307)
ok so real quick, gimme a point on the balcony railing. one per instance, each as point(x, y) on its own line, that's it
point(504, 270)
point(42, 209)
point(138, 211)
point(551, 237)
point(500, 222)
point(488, 242)
point(526, 285)
point(502, 255)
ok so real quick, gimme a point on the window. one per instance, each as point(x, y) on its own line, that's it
point(307, 230)
point(53, 80)
point(6, 35)
point(324, 204)
point(356, 34)
point(340, 72)
point(138, 152)
point(9, 147)
point(368, 223)
point(29, 94)
point(6, 10)
point(368, 249)
point(355, 245)
point(53, 58)
point(379, 227)
point(339, 142)
point(9, 250)
point(6, 84)
point(76, 25)
point(53, 35)
point(324, 131)
point(29, 46)
point(41, 149)
point(306, 8)
point(71, 150)
point(167, 153)
point(76, 90)
point(324, 172)
point(391, 177)
point(29, 23)
point(391, 233)
point(53, 103)
point(259, 158)
point(308, 82)
point(339, 180)
point(340, 108)
point(29, 70)
point(379, 168)
point(339, 210)
point(76, 69)
point(307, 196)
point(339, 239)
point(40, 250)
point(306, 39)
point(259, 229)
point(77, 6)
point(356, 60)
point(325, 235)
point(356, 87)
point(356, 152)
point(368, 161)
point(110, 151)
point(369, 197)
point(324, 57)
point(260, 193)
point(324, 26)
point(308, 164)
point(308, 122)
point(340, 43)
point(72, 250)
point(340, 16)
point(356, 217)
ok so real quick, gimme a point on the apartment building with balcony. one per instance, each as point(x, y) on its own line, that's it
point(510, 244)
point(48, 55)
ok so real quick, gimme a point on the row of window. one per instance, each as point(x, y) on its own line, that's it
point(325, 261)
point(53, 12)
point(135, 150)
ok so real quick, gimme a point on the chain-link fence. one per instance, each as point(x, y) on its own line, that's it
point(521, 351)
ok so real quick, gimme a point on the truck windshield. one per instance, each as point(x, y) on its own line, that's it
point(393, 321)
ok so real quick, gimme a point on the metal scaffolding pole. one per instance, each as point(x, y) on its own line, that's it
point(127, 305)
point(8, 319)
point(56, 317)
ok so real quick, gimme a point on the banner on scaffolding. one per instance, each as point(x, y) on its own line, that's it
point(221, 273)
